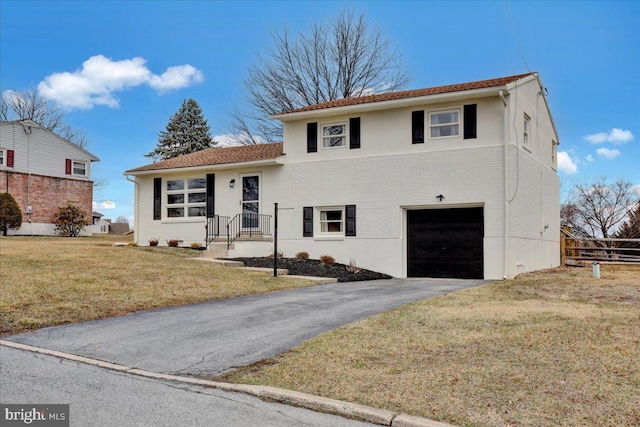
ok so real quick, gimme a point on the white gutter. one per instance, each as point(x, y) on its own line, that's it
point(136, 204)
point(394, 103)
point(223, 166)
point(506, 185)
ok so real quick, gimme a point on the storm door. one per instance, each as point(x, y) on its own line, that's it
point(250, 201)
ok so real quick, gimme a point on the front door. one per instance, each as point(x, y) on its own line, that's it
point(250, 201)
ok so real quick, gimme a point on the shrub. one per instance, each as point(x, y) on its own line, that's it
point(10, 215)
point(280, 255)
point(195, 245)
point(327, 260)
point(173, 243)
point(302, 255)
point(353, 267)
point(70, 220)
point(153, 242)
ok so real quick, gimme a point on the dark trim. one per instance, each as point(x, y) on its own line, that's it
point(354, 132)
point(211, 184)
point(157, 198)
point(67, 166)
point(312, 137)
point(307, 221)
point(417, 127)
point(10, 158)
point(350, 220)
point(470, 121)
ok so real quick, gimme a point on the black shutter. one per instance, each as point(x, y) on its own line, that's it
point(470, 121)
point(312, 137)
point(417, 127)
point(354, 132)
point(157, 198)
point(211, 182)
point(350, 220)
point(307, 222)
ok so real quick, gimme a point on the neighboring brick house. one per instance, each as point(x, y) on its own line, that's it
point(43, 171)
point(451, 181)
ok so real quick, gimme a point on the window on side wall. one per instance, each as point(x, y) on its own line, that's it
point(2, 157)
point(186, 197)
point(80, 168)
point(444, 124)
point(554, 155)
point(527, 130)
point(334, 135)
point(331, 221)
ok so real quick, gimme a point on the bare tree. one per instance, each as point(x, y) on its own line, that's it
point(342, 58)
point(29, 105)
point(122, 220)
point(597, 209)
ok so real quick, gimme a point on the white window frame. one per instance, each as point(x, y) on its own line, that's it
point(319, 221)
point(79, 162)
point(3, 159)
point(526, 130)
point(185, 191)
point(343, 135)
point(458, 123)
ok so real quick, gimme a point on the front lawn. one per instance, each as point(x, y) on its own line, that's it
point(551, 348)
point(47, 281)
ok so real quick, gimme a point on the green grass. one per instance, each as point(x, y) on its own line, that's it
point(47, 281)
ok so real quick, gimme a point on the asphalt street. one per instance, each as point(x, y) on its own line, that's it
point(213, 337)
point(103, 398)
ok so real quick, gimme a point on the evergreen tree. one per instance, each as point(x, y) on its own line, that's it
point(630, 229)
point(186, 132)
point(10, 215)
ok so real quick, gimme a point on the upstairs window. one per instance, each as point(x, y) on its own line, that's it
point(79, 168)
point(527, 129)
point(2, 157)
point(334, 135)
point(186, 198)
point(554, 155)
point(444, 124)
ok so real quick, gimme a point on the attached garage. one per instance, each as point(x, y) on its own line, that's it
point(445, 243)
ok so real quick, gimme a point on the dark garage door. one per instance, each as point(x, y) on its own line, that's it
point(445, 243)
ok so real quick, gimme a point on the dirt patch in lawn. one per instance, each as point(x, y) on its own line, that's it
point(550, 348)
point(313, 267)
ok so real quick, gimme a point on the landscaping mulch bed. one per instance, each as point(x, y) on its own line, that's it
point(313, 267)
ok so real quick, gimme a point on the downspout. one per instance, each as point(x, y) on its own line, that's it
point(506, 186)
point(136, 204)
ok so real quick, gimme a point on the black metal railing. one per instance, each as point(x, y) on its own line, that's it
point(216, 227)
point(248, 224)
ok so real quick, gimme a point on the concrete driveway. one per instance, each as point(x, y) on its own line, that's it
point(210, 338)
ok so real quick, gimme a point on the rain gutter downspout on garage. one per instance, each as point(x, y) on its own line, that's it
point(506, 186)
point(136, 204)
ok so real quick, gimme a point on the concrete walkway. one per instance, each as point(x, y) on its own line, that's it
point(213, 337)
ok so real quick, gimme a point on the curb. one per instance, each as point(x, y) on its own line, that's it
point(273, 394)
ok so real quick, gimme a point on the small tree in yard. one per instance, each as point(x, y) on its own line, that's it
point(10, 215)
point(70, 220)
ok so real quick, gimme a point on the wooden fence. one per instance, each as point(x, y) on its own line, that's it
point(593, 249)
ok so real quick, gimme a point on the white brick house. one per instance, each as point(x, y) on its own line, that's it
point(451, 181)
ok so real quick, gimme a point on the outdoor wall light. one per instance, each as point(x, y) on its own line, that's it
point(232, 183)
point(440, 197)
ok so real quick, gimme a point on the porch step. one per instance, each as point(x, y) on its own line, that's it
point(223, 262)
point(217, 250)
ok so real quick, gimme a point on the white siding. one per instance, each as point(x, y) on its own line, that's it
point(40, 152)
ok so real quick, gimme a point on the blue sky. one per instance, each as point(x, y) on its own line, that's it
point(120, 69)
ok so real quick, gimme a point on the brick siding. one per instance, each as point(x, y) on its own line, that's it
point(47, 194)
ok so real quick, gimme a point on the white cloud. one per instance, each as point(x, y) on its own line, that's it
point(608, 154)
point(616, 136)
point(566, 164)
point(590, 158)
point(232, 140)
point(100, 77)
point(636, 189)
point(104, 205)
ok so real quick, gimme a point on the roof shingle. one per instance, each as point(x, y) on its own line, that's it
point(343, 102)
point(217, 156)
